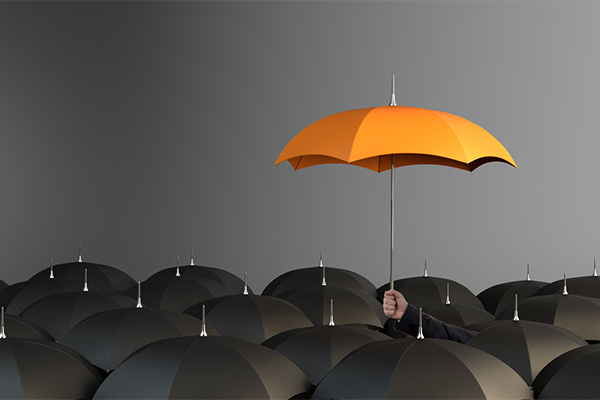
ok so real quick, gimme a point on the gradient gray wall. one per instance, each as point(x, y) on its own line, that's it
point(141, 130)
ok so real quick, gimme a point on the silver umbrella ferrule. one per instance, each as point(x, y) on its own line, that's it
point(139, 299)
point(447, 293)
point(528, 278)
point(2, 334)
point(516, 315)
point(203, 332)
point(245, 284)
point(51, 269)
point(425, 274)
point(331, 323)
point(85, 286)
point(393, 97)
point(323, 282)
point(79, 259)
point(420, 335)
point(192, 258)
point(565, 286)
point(177, 268)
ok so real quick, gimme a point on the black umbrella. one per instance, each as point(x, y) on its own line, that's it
point(526, 346)
point(8, 293)
point(572, 375)
point(105, 278)
point(202, 273)
point(204, 368)
point(582, 286)
point(457, 314)
point(579, 314)
point(34, 291)
point(41, 369)
point(59, 313)
point(499, 297)
point(423, 290)
point(178, 293)
point(109, 337)
point(251, 317)
point(353, 307)
point(421, 369)
point(316, 350)
point(312, 276)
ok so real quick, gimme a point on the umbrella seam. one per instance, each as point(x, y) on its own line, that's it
point(457, 138)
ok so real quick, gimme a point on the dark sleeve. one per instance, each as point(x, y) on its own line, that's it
point(432, 327)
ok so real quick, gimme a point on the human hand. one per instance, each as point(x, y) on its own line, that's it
point(394, 304)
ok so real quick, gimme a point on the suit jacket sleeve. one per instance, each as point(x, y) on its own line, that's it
point(432, 327)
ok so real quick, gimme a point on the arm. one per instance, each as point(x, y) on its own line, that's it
point(407, 320)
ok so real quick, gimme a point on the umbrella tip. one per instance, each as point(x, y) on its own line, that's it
point(203, 332)
point(565, 286)
point(595, 272)
point(393, 97)
point(51, 268)
point(528, 278)
point(192, 258)
point(425, 274)
point(331, 323)
point(323, 282)
point(448, 293)
point(320, 258)
point(516, 315)
point(139, 299)
point(85, 285)
point(245, 284)
point(420, 335)
point(79, 259)
point(2, 334)
point(177, 268)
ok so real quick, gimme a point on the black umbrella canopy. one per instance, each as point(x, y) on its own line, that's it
point(2, 284)
point(202, 273)
point(579, 314)
point(103, 277)
point(572, 375)
point(424, 290)
point(352, 307)
point(526, 346)
point(421, 369)
point(22, 328)
point(8, 293)
point(204, 368)
point(59, 313)
point(316, 350)
point(34, 291)
point(499, 297)
point(178, 293)
point(254, 318)
point(106, 339)
point(313, 276)
point(588, 286)
point(40, 369)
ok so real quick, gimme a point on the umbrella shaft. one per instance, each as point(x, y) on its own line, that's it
point(392, 229)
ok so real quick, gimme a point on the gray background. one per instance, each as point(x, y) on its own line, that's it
point(141, 130)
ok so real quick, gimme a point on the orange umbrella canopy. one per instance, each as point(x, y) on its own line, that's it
point(368, 137)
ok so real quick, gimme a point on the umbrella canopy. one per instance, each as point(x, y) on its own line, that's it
point(22, 328)
point(588, 286)
point(316, 350)
point(572, 375)
point(251, 317)
point(202, 273)
point(382, 138)
point(104, 278)
point(425, 290)
point(421, 369)
point(497, 298)
point(59, 313)
point(178, 293)
point(578, 314)
point(40, 369)
point(33, 291)
point(8, 293)
point(352, 307)
point(106, 339)
point(526, 346)
point(313, 276)
point(2, 284)
point(204, 368)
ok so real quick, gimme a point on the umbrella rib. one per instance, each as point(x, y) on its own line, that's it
point(452, 130)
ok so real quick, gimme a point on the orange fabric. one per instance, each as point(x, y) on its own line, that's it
point(367, 137)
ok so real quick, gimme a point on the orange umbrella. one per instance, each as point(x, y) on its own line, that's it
point(382, 138)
